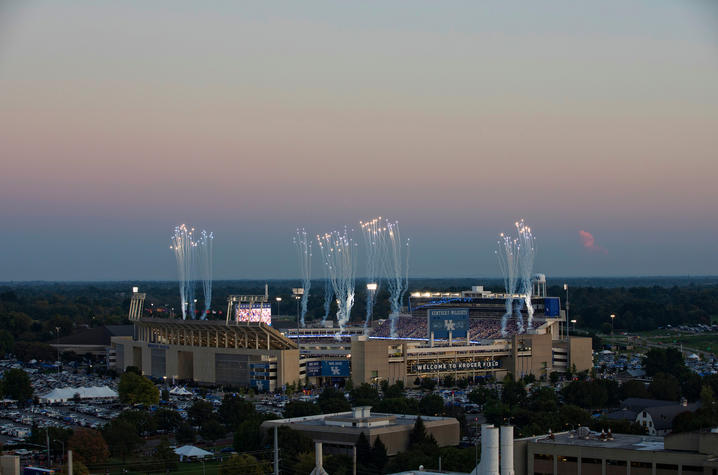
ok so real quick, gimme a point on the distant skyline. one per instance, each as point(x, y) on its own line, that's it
point(596, 122)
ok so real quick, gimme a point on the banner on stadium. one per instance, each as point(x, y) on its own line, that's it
point(455, 366)
point(445, 320)
point(552, 306)
point(332, 368)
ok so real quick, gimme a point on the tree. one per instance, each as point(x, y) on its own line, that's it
point(669, 361)
point(137, 389)
point(200, 412)
point(301, 409)
point(418, 433)
point(185, 433)
point(7, 342)
point(78, 468)
point(165, 456)
point(121, 437)
point(379, 457)
point(665, 386)
point(234, 410)
point(16, 385)
point(634, 388)
point(89, 446)
point(165, 395)
point(212, 430)
point(332, 400)
point(143, 423)
point(166, 419)
point(364, 395)
point(431, 405)
point(246, 437)
point(243, 464)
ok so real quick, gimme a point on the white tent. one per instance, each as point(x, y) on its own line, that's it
point(68, 393)
point(190, 451)
point(178, 391)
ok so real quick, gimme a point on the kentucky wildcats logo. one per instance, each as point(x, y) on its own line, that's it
point(449, 325)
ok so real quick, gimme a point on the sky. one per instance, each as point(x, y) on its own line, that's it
point(596, 122)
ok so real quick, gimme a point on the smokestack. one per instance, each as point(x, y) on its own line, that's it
point(507, 450)
point(489, 450)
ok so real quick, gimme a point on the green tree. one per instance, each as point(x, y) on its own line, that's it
point(243, 464)
point(378, 455)
point(78, 468)
point(143, 423)
point(200, 412)
point(634, 388)
point(431, 405)
point(665, 386)
point(301, 409)
point(137, 389)
point(16, 385)
point(247, 436)
point(212, 430)
point(364, 395)
point(7, 342)
point(121, 437)
point(234, 410)
point(166, 419)
point(332, 400)
point(89, 446)
point(165, 456)
point(185, 434)
point(418, 433)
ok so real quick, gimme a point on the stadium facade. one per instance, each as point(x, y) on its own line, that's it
point(444, 334)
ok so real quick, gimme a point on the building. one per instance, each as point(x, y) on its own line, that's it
point(539, 353)
point(209, 351)
point(588, 453)
point(95, 341)
point(654, 415)
point(339, 431)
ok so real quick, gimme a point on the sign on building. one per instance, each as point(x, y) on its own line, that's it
point(445, 320)
point(438, 367)
point(328, 368)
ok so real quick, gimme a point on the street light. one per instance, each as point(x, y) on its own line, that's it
point(278, 299)
point(574, 324)
point(613, 316)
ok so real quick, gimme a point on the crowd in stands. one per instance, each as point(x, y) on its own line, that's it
point(415, 327)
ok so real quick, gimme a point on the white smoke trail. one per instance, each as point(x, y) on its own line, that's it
point(339, 255)
point(508, 256)
point(396, 269)
point(526, 249)
point(303, 245)
point(205, 258)
point(373, 240)
point(183, 246)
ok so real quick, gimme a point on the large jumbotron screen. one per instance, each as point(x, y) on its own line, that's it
point(258, 312)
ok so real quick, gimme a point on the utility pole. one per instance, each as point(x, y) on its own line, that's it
point(69, 462)
point(276, 452)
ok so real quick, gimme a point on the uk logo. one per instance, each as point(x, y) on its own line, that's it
point(449, 325)
point(336, 370)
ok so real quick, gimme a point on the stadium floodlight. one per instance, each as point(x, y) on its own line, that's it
point(135, 290)
point(371, 286)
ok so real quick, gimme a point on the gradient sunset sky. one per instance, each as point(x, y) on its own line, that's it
point(597, 122)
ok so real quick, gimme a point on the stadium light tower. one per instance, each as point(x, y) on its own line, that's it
point(613, 317)
point(279, 300)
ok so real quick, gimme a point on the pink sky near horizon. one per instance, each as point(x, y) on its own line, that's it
point(253, 120)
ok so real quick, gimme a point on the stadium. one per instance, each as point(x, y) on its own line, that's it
point(439, 334)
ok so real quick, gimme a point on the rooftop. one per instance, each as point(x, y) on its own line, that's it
point(593, 439)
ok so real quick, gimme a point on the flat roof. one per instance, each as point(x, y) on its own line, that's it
point(619, 441)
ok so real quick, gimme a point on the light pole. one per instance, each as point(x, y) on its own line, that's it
point(573, 322)
point(57, 332)
point(371, 288)
point(613, 316)
point(278, 299)
point(565, 287)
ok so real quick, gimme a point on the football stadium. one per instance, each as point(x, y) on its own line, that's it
point(439, 334)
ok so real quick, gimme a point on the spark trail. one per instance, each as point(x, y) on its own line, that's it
point(303, 245)
point(374, 246)
point(396, 269)
point(339, 256)
point(183, 246)
point(526, 250)
point(508, 256)
point(205, 259)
